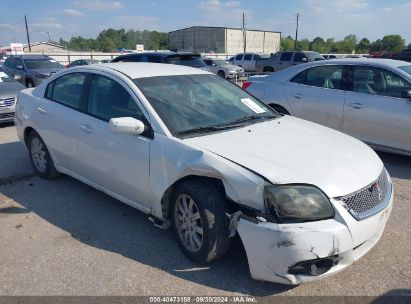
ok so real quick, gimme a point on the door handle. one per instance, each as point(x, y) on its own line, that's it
point(356, 106)
point(86, 128)
point(298, 96)
point(41, 110)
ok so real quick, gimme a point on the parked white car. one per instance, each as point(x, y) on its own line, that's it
point(366, 98)
point(198, 153)
point(224, 68)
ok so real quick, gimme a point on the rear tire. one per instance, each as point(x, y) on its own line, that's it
point(268, 70)
point(29, 83)
point(40, 157)
point(199, 220)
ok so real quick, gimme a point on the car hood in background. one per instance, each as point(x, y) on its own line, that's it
point(292, 150)
point(47, 72)
point(232, 67)
point(10, 89)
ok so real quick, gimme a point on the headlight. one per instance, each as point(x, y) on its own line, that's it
point(231, 71)
point(41, 76)
point(297, 203)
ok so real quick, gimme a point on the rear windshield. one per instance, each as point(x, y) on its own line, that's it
point(406, 69)
point(192, 61)
point(314, 56)
point(33, 64)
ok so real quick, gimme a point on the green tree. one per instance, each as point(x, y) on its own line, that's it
point(349, 44)
point(409, 46)
point(363, 46)
point(319, 45)
point(303, 44)
point(376, 46)
point(393, 43)
point(287, 43)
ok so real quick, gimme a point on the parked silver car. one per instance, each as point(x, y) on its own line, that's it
point(32, 69)
point(282, 60)
point(367, 98)
point(83, 62)
point(248, 60)
point(9, 88)
point(224, 68)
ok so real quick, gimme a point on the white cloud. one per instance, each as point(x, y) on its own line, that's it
point(222, 13)
point(7, 26)
point(73, 12)
point(232, 4)
point(335, 6)
point(99, 5)
point(48, 25)
point(136, 23)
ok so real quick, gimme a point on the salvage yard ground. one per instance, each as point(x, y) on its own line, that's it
point(62, 237)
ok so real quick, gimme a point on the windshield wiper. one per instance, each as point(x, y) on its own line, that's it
point(251, 117)
point(207, 129)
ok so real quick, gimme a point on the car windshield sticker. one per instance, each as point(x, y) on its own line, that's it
point(252, 105)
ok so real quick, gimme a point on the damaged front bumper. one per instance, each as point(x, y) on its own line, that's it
point(294, 253)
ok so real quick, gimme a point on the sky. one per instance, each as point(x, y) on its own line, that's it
point(325, 18)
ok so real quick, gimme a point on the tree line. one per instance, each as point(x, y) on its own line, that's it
point(389, 43)
point(109, 40)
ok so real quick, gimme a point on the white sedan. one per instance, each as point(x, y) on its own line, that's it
point(197, 153)
point(367, 98)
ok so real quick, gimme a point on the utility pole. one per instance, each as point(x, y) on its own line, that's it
point(244, 34)
point(296, 33)
point(27, 32)
point(48, 35)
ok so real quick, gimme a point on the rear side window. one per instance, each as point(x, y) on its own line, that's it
point(298, 57)
point(329, 77)
point(247, 56)
point(67, 90)
point(286, 56)
point(108, 99)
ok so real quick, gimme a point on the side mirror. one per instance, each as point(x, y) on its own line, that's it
point(126, 125)
point(406, 94)
point(17, 77)
point(19, 67)
point(304, 59)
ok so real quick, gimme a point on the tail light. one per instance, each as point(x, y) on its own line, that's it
point(246, 84)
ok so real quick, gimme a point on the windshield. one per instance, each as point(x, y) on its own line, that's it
point(191, 61)
point(221, 62)
point(5, 77)
point(314, 56)
point(406, 69)
point(190, 102)
point(33, 64)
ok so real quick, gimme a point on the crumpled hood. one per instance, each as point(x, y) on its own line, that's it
point(292, 150)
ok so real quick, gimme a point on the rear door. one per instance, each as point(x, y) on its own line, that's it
point(285, 61)
point(375, 111)
point(57, 117)
point(317, 94)
point(238, 60)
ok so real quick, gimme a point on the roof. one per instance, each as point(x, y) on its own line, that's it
point(223, 27)
point(44, 42)
point(374, 61)
point(145, 69)
point(162, 54)
point(30, 56)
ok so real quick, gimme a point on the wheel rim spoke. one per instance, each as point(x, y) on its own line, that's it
point(188, 223)
point(38, 153)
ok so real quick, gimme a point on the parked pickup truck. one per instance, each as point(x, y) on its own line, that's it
point(282, 60)
point(248, 60)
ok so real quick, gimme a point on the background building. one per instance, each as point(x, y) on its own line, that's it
point(224, 40)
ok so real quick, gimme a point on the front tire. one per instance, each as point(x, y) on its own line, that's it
point(221, 74)
point(40, 157)
point(199, 220)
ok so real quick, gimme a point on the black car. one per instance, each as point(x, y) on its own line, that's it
point(404, 55)
point(187, 59)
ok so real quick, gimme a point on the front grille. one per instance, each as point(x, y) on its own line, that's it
point(369, 200)
point(7, 102)
point(7, 115)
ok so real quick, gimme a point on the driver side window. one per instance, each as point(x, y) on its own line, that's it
point(108, 99)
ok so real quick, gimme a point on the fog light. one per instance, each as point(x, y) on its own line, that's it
point(314, 267)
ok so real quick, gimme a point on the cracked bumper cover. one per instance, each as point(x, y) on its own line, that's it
point(274, 248)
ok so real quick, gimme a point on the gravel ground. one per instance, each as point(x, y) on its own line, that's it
point(62, 237)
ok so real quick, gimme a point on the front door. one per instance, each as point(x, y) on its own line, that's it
point(117, 162)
